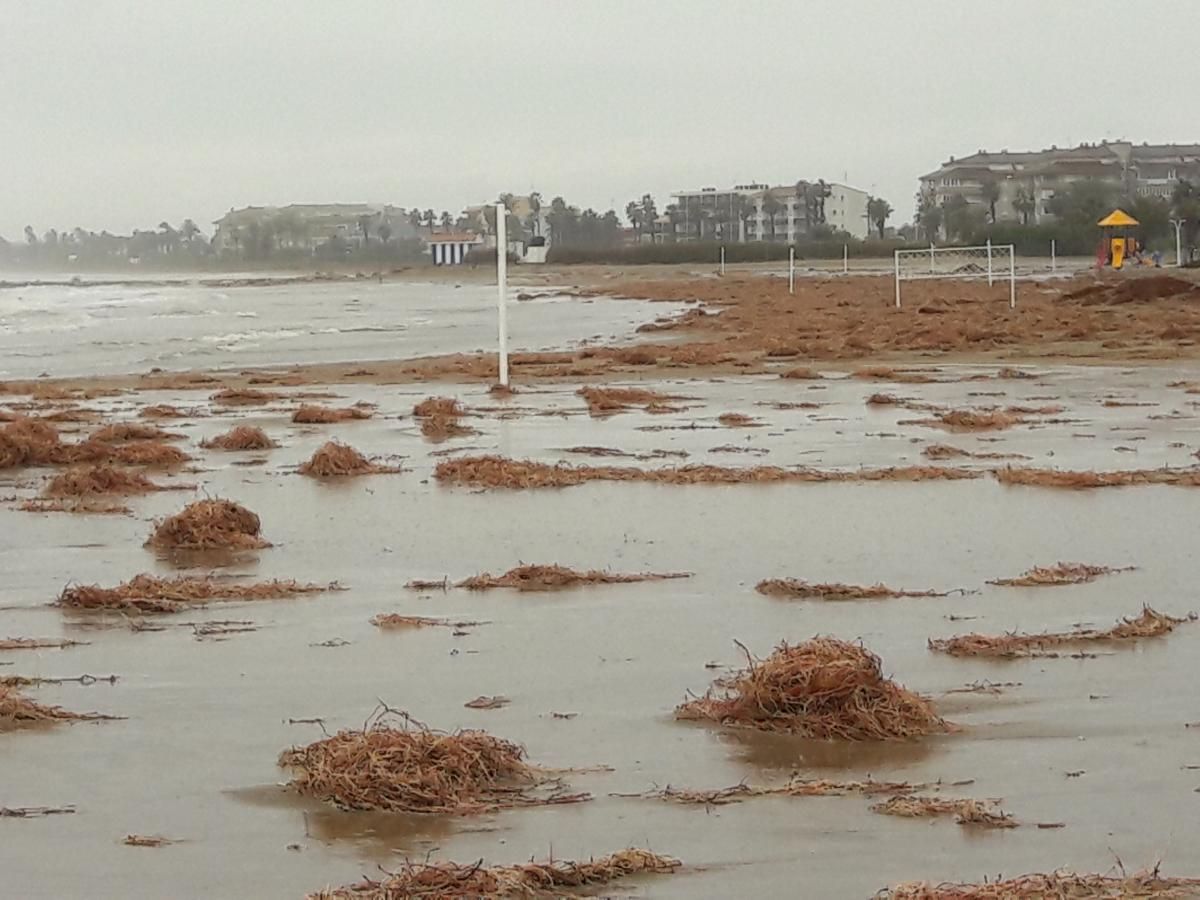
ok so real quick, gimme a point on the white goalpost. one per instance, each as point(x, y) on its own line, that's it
point(995, 262)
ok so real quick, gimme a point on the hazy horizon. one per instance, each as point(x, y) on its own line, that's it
point(118, 115)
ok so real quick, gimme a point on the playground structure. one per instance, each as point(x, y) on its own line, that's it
point(1120, 243)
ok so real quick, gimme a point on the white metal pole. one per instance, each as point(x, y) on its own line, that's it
point(1053, 256)
point(989, 253)
point(845, 259)
point(502, 287)
point(1178, 223)
point(931, 257)
point(791, 270)
point(722, 260)
point(897, 279)
point(1012, 277)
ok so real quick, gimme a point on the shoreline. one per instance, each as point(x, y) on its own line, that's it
point(746, 323)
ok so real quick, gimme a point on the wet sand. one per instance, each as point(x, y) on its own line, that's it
point(195, 759)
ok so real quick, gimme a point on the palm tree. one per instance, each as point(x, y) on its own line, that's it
point(649, 213)
point(428, 217)
point(414, 217)
point(535, 208)
point(633, 212)
point(878, 212)
point(989, 192)
point(675, 214)
point(384, 231)
point(364, 225)
point(929, 216)
point(447, 220)
point(771, 208)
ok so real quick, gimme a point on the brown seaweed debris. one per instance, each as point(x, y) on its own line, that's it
point(1008, 372)
point(556, 878)
point(965, 811)
point(1060, 478)
point(1060, 573)
point(18, 711)
point(973, 420)
point(244, 397)
point(552, 578)
point(604, 401)
point(334, 460)
point(162, 411)
point(438, 406)
point(886, 373)
point(208, 525)
point(439, 418)
point(312, 414)
point(1063, 884)
point(738, 420)
point(150, 594)
point(412, 768)
point(823, 688)
point(793, 587)
point(879, 399)
point(37, 643)
point(486, 702)
point(1149, 623)
point(28, 442)
point(90, 481)
point(945, 451)
point(795, 787)
point(242, 437)
point(124, 432)
point(501, 472)
point(802, 373)
point(147, 840)
point(398, 620)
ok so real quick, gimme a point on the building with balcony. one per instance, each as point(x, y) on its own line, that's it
point(759, 212)
point(1024, 183)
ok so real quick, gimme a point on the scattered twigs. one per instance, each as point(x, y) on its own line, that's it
point(448, 880)
point(1010, 646)
point(554, 577)
point(34, 812)
point(499, 472)
point(1060, 573)
point(966, 812)
point(793, 587)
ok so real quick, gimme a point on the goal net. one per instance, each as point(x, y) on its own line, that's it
point(995, 262)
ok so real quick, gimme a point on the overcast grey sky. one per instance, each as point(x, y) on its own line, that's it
point(120, 114)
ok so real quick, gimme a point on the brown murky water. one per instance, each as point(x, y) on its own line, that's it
point(195, 759)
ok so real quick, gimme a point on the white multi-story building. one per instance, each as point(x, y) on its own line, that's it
point(758, 212)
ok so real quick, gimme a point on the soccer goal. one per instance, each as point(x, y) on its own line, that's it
point(995, 262)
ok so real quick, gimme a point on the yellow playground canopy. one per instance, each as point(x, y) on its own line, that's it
point(1118, 218)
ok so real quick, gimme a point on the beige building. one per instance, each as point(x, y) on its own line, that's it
point(1026, 181)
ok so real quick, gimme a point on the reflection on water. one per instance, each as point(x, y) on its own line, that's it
point(768, 752)
point(376, 835)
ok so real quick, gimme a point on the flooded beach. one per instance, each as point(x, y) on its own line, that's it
point(127, 327)
point(1094, 747)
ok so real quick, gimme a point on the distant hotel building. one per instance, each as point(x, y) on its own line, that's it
point(1027, 181)
point(758, 212)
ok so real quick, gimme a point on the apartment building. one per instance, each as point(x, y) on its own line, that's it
point(1025, 182)
point(759, 212)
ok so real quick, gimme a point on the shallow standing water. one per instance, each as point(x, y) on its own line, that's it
point(195, 758)
point(120, 329)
